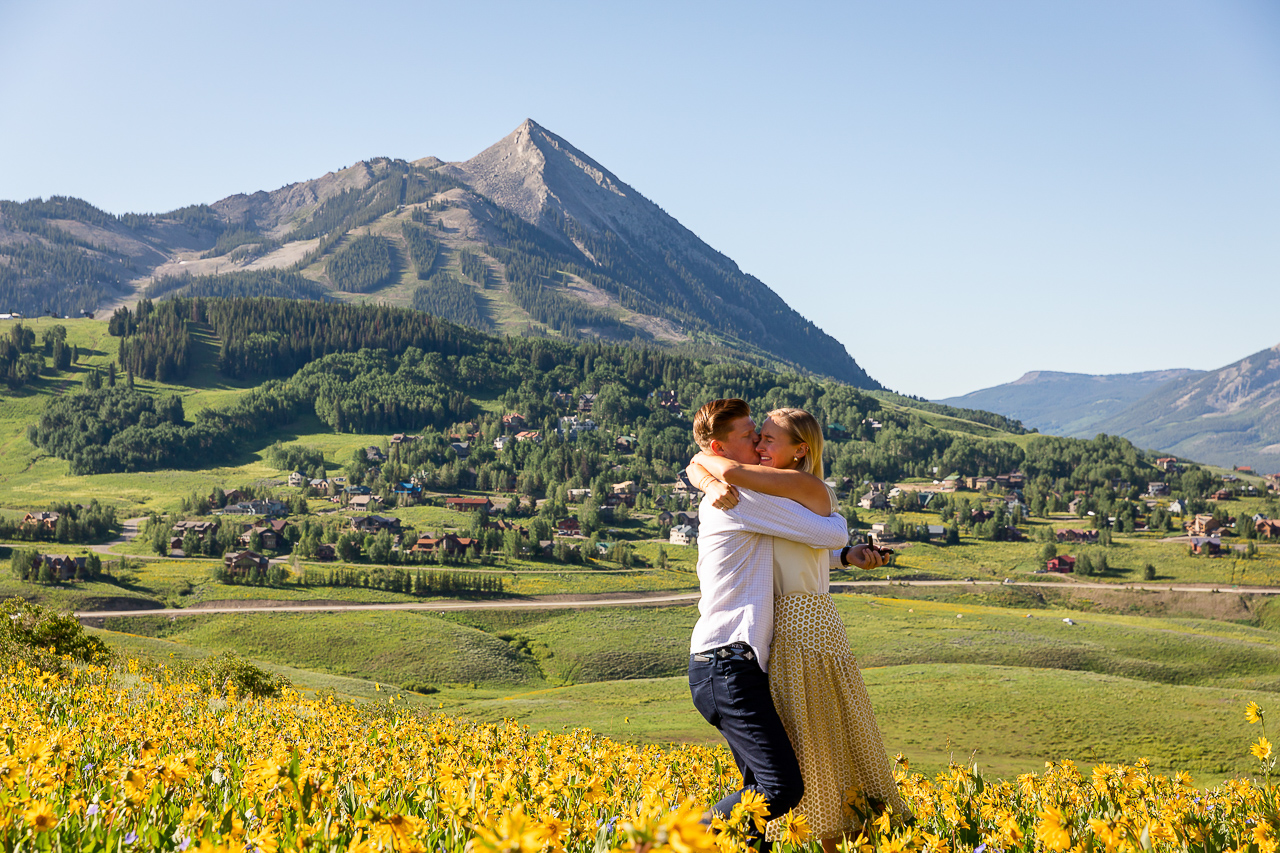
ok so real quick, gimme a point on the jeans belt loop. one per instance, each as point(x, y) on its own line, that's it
point(733, 651)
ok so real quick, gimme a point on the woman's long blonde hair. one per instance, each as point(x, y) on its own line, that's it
point(803, 428)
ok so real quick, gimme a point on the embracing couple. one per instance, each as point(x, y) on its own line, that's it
point(770, 663)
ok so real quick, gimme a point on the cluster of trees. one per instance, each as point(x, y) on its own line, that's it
point(446, 297)
point(54, 343)
point(20, 362)
point(528, 281)
point(297, 457)
point(991, 419)
point(156, 342)
point(473, 267)
point(29, 565)
point(241, 235)
point(410, 581)
point(422, 249)
point(372, 391)
point(364, 264)
point(278, 283)
point(76, 523)
point(273, 575)
point(264, 337)
point(113, 429)
point(196, 218)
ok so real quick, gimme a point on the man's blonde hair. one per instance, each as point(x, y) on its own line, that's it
point(802, 428)
point(713, 420)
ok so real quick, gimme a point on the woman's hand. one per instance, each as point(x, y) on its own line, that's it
point(723, 495)
point(866, 557)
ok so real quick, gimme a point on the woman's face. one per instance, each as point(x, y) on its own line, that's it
point(776, 448)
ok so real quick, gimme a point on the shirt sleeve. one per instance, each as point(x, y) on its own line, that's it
point(786, 519)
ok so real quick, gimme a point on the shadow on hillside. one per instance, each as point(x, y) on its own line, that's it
point(203, 374)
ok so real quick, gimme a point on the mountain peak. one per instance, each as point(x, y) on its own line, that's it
point(654, 260)
point(537, 175)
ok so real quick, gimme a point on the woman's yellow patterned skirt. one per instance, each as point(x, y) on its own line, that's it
point(818, 691)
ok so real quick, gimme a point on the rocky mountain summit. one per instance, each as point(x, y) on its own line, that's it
point(530, 236)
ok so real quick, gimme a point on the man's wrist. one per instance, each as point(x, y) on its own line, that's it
point(844, 556)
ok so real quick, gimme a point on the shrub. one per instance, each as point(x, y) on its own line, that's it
point(45, 639)
point(226, 673)
point(418, 687)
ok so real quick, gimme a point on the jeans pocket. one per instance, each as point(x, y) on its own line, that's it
point(702, 689)
point(744, 682)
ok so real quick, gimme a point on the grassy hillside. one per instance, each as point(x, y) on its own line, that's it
point(1010, 689)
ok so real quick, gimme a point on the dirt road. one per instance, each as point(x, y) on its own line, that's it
point(555, 602)
point(542, 602)
point(129, 533)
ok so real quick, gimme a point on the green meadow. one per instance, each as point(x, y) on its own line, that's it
point(1007, 689)
point(1006, 676)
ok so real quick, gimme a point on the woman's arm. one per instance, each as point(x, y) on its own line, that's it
point(800, 486)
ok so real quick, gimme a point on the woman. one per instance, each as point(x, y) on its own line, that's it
point(813, 674)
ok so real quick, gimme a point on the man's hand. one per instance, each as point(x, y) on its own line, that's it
point(867, 557)
point(723, 495)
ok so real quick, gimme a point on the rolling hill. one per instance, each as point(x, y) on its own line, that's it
point(531, 236)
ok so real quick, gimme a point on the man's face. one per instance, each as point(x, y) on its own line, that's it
point(740, 443)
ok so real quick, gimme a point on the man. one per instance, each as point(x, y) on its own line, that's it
point(729, 650)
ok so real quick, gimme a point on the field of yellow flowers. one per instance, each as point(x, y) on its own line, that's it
point(127, 759)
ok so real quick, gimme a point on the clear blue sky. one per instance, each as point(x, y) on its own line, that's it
point(959, 192)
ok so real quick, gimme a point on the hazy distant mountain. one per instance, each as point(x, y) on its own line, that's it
point(1072, 404)
point(1229, 416)
point(529, 236)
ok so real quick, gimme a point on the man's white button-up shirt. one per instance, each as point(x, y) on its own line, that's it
point(735, 566)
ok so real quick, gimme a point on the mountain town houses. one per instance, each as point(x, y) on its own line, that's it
point(252, 529)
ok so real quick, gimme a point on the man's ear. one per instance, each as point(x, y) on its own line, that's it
point(715, 447)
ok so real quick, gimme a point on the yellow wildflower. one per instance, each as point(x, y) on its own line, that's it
point(40, 817)
point(1253, 713)
point(1262, 749)
point(513, 833)
point(795, 828)
point(756, 806)
point(1050, 831)
point(1264, 838)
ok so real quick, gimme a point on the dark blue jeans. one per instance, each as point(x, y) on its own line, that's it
point(733, 696)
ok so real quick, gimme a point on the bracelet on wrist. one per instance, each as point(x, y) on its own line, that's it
point(844, 556)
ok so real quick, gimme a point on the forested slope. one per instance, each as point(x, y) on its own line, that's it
point(374, 369)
